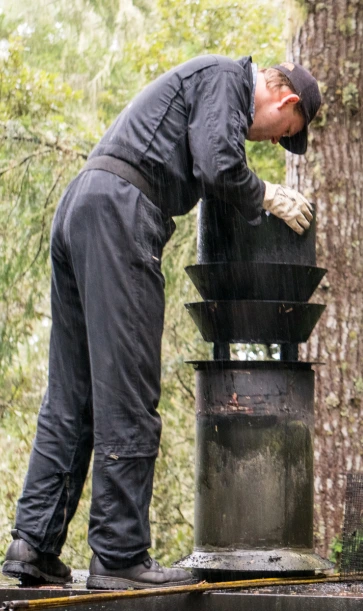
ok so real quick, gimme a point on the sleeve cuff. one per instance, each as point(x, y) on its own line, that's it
point(255, 222)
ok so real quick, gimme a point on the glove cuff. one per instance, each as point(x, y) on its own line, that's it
point(270, 192)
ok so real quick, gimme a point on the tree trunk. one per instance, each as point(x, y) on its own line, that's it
point(329, 42)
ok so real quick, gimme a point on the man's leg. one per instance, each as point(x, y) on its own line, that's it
point(111, 237)
point(115, 238)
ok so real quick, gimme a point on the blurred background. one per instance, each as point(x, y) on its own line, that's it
point(67, 68)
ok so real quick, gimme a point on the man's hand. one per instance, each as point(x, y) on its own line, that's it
point(288, 205)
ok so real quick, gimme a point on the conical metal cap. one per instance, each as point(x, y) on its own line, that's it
point(265, 322)
point(252, 280)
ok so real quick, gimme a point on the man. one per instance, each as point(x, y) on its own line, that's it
point(182, 138)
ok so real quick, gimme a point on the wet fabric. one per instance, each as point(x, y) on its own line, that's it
point(186, 132)
point(107, 300)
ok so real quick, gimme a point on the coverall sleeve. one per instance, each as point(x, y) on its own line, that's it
point(217, 127)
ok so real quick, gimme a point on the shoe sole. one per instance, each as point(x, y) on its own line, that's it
point(29, 572)
point(97, 582)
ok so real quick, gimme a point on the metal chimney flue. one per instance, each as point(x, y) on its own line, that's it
point(254, 419)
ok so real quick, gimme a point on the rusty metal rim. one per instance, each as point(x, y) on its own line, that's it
point(256, 561)
point(230, 364)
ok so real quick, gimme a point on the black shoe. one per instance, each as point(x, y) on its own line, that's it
point(22, 561)
point(147, 574)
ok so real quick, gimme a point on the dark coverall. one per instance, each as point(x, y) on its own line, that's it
point(185, 134)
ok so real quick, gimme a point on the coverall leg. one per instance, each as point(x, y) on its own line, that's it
point(107, 303)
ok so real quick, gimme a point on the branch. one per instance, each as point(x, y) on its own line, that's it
point(42, 314)
point(24, 160)
point(183, 517)
point(41, 235)
point(184, 386)
point(20, 190)
point(48, 149)
point(43, 226)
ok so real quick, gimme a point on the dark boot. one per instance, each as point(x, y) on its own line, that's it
point(24, 562)
point(147, 574)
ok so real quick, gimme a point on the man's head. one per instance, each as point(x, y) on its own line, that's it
point(287, 98)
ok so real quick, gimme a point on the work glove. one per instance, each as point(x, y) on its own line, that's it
point(288, 205)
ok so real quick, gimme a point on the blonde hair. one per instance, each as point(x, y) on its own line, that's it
point(275, 79)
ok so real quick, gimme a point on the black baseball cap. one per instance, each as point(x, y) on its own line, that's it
point(306, 87)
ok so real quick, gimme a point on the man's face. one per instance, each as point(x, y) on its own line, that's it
point(276, 118)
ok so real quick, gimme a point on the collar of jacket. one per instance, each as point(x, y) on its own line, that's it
point(250, 69)
point(251, 109)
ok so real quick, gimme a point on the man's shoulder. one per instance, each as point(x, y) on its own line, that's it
point(214, 62)
point(235, 65)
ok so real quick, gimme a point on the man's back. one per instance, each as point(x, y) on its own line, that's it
point(183, 129)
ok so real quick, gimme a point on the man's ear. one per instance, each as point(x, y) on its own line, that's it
point(290, 98)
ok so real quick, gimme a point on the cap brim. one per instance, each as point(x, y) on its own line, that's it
point(298, 143)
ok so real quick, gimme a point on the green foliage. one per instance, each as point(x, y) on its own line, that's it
point(66, 70)
point(82, 41)
point(34, 166)
point(28, 94)
point(24, 385)
point(182, 30)
point(16, 432)
point(336, 548)
point(266, 161)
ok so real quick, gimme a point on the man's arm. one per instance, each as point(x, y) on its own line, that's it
point(217, 128)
